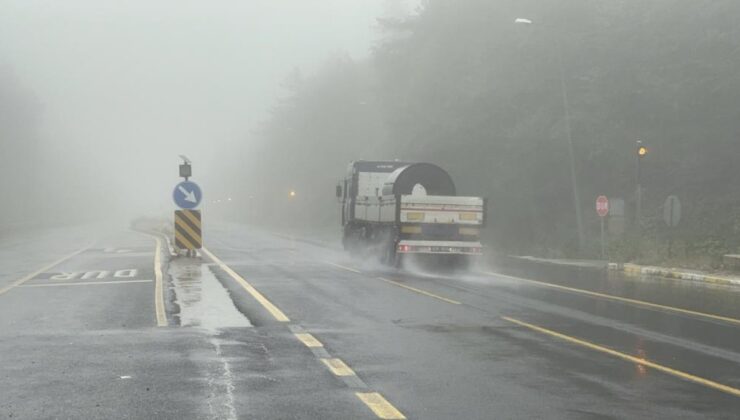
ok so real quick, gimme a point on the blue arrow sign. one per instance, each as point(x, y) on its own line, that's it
point(187, 195)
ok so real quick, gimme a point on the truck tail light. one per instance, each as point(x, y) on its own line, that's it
point(403, 248)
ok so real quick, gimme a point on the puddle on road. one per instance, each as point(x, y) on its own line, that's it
point(203, 301)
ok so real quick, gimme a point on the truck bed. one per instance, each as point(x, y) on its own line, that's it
point(421, 209)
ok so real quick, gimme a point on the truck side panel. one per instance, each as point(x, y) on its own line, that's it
point(376, 209)
point(442, 209)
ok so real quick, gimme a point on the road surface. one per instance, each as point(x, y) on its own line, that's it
point(266, 326)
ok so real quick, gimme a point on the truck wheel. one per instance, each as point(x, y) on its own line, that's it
point(349, 241)
point(397, 261)
point(389, 254)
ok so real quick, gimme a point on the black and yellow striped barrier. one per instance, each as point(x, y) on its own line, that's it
point(188, 233)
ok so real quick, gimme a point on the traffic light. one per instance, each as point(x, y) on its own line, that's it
point(642, 151)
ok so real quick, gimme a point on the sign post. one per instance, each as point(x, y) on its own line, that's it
point(602, 208)
point(187, 195)
point(671, 217)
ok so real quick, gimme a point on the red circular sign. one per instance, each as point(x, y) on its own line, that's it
point(602, 205)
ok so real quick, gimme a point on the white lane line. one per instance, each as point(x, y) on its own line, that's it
point(221, 403)
point(84, 283)
point(344, 268)
point(126, 255)
point(605, 296)
point(41, 270)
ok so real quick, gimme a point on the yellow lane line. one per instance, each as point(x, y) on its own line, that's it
point(272, 309)
point(627, 357)
point(379, 405)
point(344, 268)
point(338, 367)
point(308, 339)
point(39, 271)
point(413, 289)
point(623, 299)
point(158, 288)
point(84, 283)
point(423, 292)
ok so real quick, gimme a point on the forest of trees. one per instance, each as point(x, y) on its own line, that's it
point(461, 85)
point(20, 149)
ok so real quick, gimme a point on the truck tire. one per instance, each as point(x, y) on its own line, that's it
point(389, 254)
point(351, 240)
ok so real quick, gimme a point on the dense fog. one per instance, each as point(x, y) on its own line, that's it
point(523, 102)
point(98, 98)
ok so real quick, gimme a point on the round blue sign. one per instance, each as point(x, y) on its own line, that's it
point(187, 195)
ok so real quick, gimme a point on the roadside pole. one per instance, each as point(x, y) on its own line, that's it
point(602, 209)
point(603, 247)
point(569, 134)
point(671, 217)
point(642, 151)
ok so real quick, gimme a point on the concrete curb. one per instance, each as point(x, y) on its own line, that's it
point(579, 264)
point(673, 273)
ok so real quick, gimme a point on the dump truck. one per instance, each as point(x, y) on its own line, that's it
point(401, 210)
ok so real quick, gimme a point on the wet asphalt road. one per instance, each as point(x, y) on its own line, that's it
point(548, 342)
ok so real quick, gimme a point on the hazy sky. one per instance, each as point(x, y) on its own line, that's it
point(125, 86)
